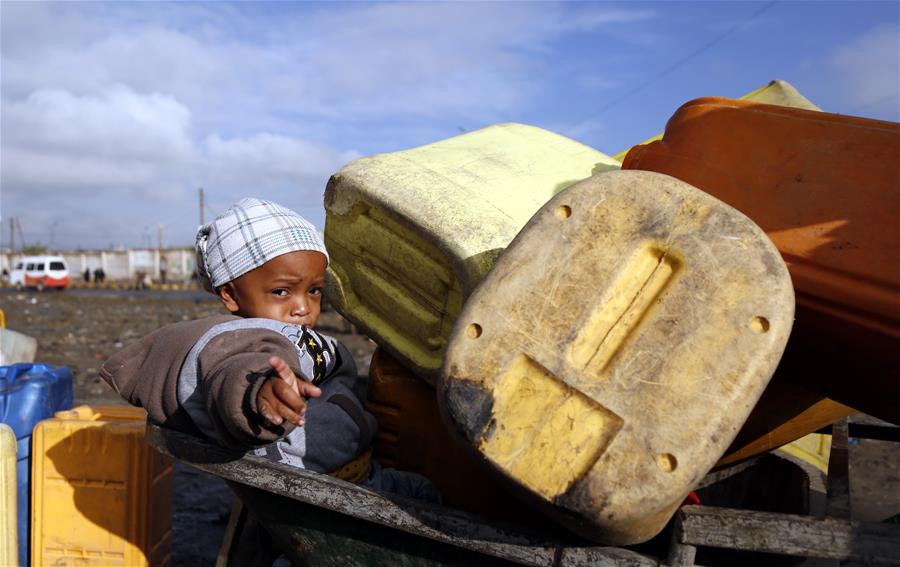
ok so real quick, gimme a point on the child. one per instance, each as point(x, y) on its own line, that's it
point(261, 377)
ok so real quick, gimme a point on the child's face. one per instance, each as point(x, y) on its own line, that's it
point(287, 288)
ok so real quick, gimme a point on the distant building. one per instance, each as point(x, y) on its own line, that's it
point(123, 264)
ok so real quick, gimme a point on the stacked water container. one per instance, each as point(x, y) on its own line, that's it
point(8, 546)
point(30, 393)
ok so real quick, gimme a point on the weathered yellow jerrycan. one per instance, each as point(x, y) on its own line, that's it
point(612, 354)
point(411, 233)
point(9, 541)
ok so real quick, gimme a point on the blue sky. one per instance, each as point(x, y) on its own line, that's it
point(113, 114)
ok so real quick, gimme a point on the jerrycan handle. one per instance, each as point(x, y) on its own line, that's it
point(102, 413)
point(13, 371)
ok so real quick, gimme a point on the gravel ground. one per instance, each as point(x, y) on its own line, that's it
point(82, 328)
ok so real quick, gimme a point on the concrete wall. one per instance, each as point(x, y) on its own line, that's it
point(124, 264)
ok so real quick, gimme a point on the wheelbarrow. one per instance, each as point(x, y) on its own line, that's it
point(315, 519)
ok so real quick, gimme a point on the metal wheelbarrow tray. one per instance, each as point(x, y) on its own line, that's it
point(311, 515)
point(318, 520)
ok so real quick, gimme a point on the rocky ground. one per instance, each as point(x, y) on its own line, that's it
point(82, 328)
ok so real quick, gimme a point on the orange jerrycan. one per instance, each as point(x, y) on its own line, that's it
point(412, 437)
point(777, 92)
point(826, 189)
point(611, 356)
point(785, 413)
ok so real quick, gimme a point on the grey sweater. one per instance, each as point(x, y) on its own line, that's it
point(203, 376)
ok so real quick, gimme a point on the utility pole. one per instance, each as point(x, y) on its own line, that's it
point(162, 265)
point(21, 236)
point(201, 205)
point(12, 234)
point(52, 230)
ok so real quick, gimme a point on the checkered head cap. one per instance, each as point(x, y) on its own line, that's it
point(246, 236)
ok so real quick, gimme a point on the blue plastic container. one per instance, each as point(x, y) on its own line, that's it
point(28, 394)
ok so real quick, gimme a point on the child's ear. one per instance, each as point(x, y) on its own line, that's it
point(228, 297)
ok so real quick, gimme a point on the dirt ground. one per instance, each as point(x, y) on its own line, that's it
point(82, 328)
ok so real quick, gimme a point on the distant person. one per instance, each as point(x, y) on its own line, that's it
point(262, 377)
point(142, 280)
point(99, 275)
point(163, 268)
point(87, 275)
point(4, 277)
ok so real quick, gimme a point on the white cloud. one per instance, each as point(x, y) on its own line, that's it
point(113, 113)
point(56, 144)
point(594, 18)
point(116, 124)
point(36, 171)
point(343, 63)
point(473, 59)
point(268, 155)
point(869, 71)
point(131, 159)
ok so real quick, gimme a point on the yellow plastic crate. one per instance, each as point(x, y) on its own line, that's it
point(100, 494)
point(8, 527)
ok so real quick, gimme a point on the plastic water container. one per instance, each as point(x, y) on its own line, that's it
point(16, 347)
point(28, 394)
point(9, 553)
point(824, 188)
point(814, 448)
point(93, 468)
point(411, 233)
point(611, 356)
point(777, 92)
point(786, 412)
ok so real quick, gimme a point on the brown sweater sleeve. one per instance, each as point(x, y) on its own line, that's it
point(231, 368)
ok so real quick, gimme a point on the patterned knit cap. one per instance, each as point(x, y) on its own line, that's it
point(246, 236)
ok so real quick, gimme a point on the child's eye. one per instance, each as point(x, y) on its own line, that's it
point(315, 291)
point(280, 292)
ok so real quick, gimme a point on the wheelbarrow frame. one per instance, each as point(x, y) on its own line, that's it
point(311, 515)
point(261, 484)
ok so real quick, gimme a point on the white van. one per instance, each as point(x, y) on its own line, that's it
point(40, 272)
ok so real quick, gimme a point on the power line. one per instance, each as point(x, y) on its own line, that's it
point(673, 66)
point(879, 102)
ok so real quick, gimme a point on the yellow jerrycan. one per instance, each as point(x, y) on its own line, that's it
point(613, 353)
point(9, 544)
point(411, 233)
point(101, 496)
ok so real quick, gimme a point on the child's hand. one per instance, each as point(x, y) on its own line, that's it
point(283, 396)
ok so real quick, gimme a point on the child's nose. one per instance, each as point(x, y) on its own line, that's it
point(301, 307)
